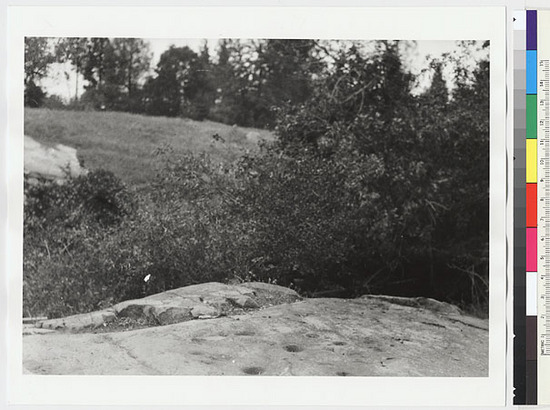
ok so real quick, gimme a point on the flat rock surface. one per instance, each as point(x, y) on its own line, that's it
point(367, 336)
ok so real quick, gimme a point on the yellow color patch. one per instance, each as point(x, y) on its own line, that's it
point(531, 160)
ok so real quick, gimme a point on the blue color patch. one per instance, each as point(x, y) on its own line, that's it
point(531, 71)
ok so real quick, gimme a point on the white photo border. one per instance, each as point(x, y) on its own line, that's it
point(406, 23)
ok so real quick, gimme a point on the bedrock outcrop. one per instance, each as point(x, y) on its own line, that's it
point(260, 329)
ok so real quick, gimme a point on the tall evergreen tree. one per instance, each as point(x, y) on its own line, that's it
point(172, 88)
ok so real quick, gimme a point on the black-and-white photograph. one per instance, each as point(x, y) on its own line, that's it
point(252, 206)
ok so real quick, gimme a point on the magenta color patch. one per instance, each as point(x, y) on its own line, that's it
point(531, 250)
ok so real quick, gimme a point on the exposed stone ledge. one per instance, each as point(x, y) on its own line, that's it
point(203, 301)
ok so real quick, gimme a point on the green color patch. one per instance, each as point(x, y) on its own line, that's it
point(531, 106)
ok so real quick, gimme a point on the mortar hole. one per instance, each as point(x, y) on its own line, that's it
point(293, 348)
point(254, 371)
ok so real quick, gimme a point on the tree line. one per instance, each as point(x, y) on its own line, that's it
point(238, 84)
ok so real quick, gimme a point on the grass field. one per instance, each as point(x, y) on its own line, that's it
point(124, 143)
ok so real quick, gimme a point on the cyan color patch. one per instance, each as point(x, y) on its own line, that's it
point(531, 68)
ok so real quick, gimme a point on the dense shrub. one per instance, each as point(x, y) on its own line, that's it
point(34, 95)
point(70, 238)
point(90, 242)
point(307, 225)
point(97, 197)
point(429, 153)
point(54, 102)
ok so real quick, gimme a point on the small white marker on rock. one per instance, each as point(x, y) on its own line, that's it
point(146, 279)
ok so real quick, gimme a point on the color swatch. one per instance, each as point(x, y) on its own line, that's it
point(531, 231)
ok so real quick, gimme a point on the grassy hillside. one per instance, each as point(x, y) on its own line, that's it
point(124, 143)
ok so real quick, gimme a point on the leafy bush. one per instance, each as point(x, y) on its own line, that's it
point(69, 237)
point(307, 225)
point(429, 180)
point(90, 242)
point(54, 102)
point(97, 197)
point(34, 95)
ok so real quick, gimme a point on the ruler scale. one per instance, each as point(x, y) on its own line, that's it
point(543, 271)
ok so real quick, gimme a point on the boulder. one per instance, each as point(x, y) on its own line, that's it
point(53, 163)
point(204, 311)
point(244, 302)
point(167, 315)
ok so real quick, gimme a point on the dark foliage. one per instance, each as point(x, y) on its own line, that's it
point(66, 228)
point(182, 85)
point(430, 185)
point(34, 95)
point(37, 61)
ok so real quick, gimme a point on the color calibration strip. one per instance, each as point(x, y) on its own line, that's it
point(531, 165)
point(541, 292)
point(532, 207)
point(519, 27)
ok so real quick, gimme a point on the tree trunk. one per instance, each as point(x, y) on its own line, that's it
point(130, 77)
point(76, 82)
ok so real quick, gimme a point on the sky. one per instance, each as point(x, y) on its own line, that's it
point(61, 79)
